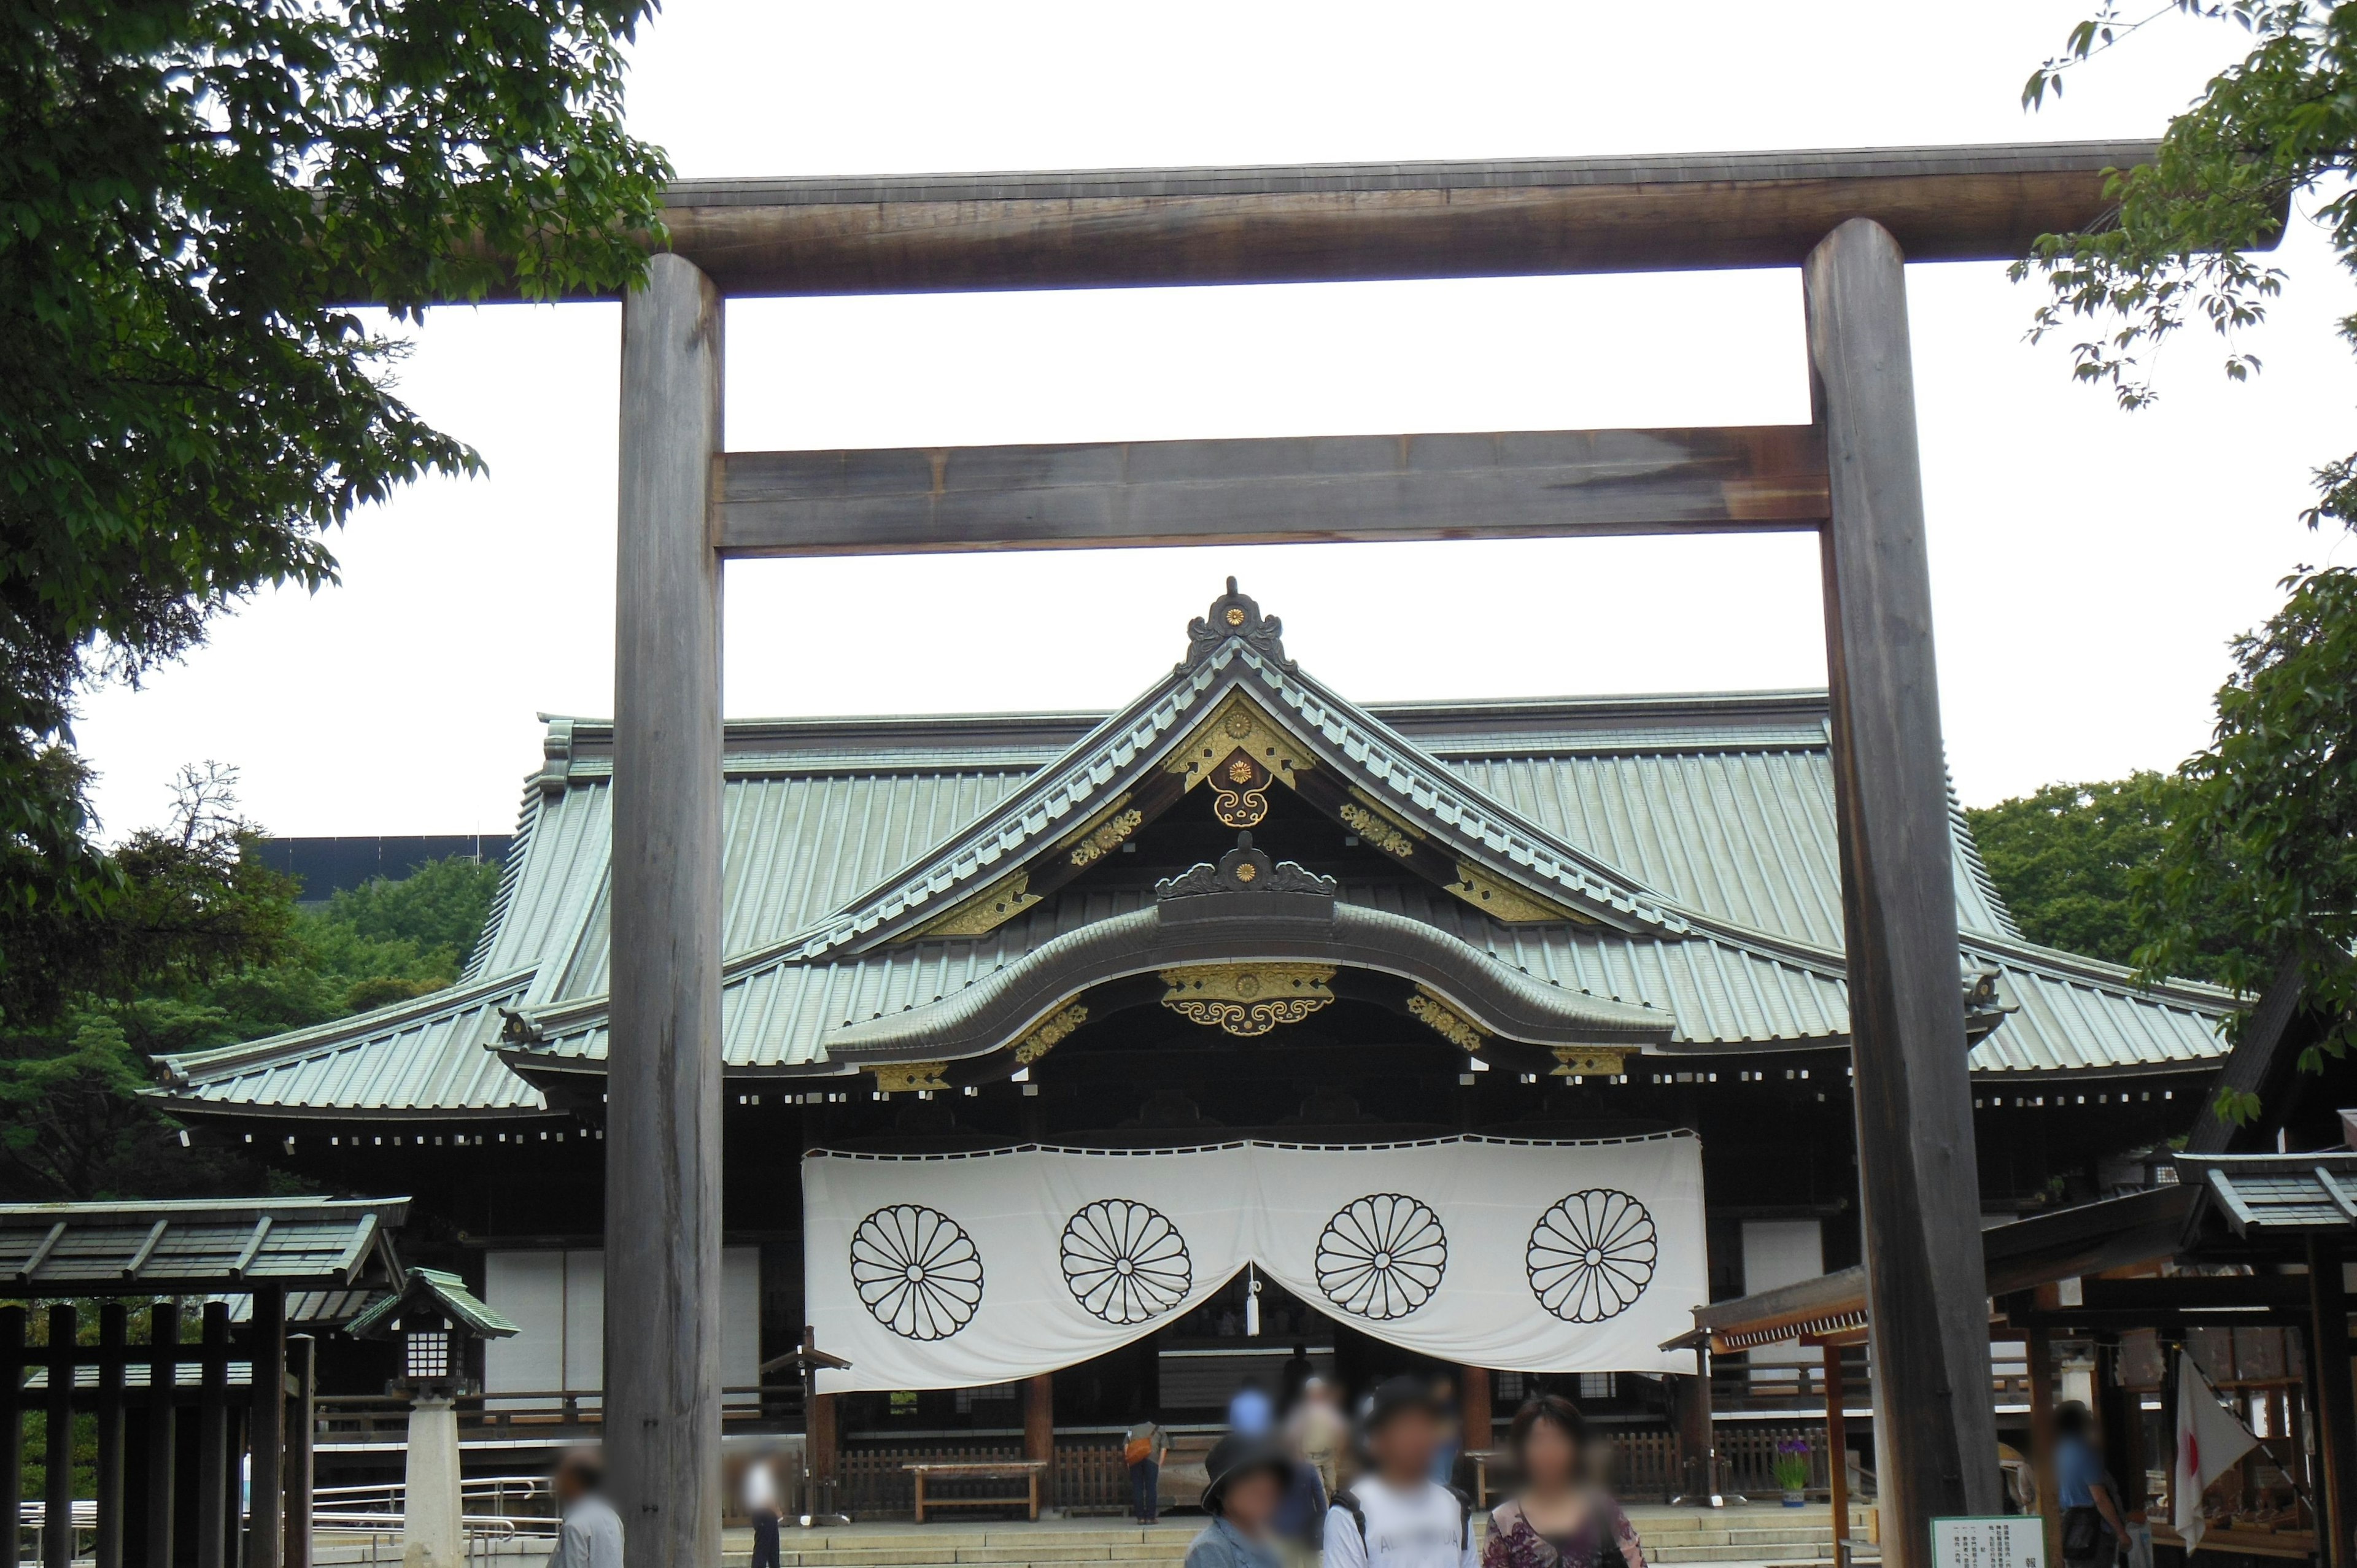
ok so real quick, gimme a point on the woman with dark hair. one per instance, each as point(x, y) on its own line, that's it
point(1560, 1518)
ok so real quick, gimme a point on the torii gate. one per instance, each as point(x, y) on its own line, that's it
point(1849, 219)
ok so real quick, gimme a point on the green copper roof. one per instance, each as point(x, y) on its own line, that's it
point(1698, 831)
point(432, 1290)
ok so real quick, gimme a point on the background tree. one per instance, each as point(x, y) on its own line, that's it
point(2263, 837)
point(2063, 857)
point(190, 191)
point(226, 955)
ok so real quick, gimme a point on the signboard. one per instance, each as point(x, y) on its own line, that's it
point(1993, 1540)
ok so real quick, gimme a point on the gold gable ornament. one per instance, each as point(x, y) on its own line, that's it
point(1238, 723)
point(1053, 1031)
point(897, 1078)
point(1106, 836)
point(1446, 1021)
point(1589, 1061)
point(1247, 999)
point(984, 912)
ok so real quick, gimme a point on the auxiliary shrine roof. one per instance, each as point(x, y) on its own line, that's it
point(1661, 869)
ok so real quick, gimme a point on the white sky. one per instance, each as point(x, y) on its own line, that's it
point(2088, 566)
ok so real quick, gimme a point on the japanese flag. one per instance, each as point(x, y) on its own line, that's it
point(2209, 1440)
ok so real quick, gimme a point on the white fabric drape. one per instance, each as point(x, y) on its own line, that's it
point(949, 1271)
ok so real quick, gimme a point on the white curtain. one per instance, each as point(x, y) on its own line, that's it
point(946, 1270)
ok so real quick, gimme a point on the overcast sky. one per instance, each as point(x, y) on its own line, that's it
point(2089, 566)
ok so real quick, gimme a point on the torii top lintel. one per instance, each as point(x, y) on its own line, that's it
point(1356, 222)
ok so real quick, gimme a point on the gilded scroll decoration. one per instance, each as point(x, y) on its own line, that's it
point(1053, 1030)
point(1446, 1021)
point(1109, 836)
point(895, 1078)
point(1589, 1061)
point(1241, 791)
point(1247, 999)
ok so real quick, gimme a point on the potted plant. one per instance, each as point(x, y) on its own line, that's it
point(1792, 1469)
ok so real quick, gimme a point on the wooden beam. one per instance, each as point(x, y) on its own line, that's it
point(303, 1351)
point(1040, 1426)
point(265, 1540)
point(163, 1382)
point(1528, 484)
point(1337, 222)
point(1918, 1172)
point(663, 1132)
point(214, 1521)
point(2335, 1422)
point(2039, 1344)
point(1837, 1454)
point(56, 1518)
point(114, 1349)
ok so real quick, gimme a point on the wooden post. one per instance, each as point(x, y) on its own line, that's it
point(819, 1427)
point(1477, 1417)
point(212, 1442)
point(1697, 1480)
point(303, 1352)
point(1837, 1454)
point(266, 1537)
point(2336, 1442)
point(57, 1519)
point(663, 1083)
point(1040, 1422)
point(113, 1346)
point(2039, 1344)
point(12, 1427)
point(162, 1377)
point(1919, 1176)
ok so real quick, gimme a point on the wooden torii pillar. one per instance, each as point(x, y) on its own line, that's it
point(1848, 219)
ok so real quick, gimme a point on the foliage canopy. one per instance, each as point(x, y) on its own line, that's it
point(2259, 863)
point(190, 193)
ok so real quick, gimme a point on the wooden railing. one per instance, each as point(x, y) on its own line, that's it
point(555, 1413)
point(1087, 1474)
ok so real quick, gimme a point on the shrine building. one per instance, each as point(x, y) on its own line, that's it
point(1078, 1066)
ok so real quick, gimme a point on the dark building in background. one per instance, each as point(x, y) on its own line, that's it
point(326, 866)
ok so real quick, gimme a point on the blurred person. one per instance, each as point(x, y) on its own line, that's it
point(1249, 1410)
point(1560, 1518)
point(1293, 1378)
point(1320, 1432)
point(2092, 1524)
point(591, 1534)
point(1452, 1431)
point(1300, 1526)
point(1144, 1449)
point(1249, 1475)
point(761, 1495)
point(1397, 1515)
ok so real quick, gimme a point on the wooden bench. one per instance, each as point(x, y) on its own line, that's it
point(1027, 1471)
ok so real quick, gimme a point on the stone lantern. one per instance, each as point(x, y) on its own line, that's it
point(435, 1319)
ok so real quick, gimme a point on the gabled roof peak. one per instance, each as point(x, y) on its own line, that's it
point(1237, 616)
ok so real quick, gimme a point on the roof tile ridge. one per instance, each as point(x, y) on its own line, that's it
point(2062, 964)
point(1004, 830)
point(449, 999)
point(1636, 898)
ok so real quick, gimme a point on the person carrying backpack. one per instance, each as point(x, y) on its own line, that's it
point(1397, 1515)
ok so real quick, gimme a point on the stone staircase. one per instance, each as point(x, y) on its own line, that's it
point(1750, 1534)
